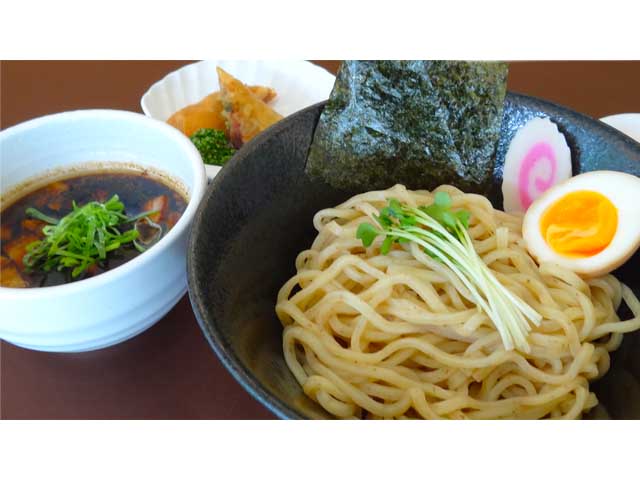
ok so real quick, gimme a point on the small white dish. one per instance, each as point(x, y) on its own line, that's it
point(298, 84)
point(120, 303)
point(627, 123)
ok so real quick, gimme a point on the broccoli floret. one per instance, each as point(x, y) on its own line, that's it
point(213, 146)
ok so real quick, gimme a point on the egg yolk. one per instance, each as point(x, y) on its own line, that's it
point(580, 224)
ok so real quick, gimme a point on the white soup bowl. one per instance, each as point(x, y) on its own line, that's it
point(116, 305)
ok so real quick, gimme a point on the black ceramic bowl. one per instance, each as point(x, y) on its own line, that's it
point(256, 216)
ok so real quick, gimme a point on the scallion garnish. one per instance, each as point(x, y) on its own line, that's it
point(81, 238)
point(442, 233)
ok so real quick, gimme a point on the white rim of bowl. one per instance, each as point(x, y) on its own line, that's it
point(620, 122)
point(122, 270)
point(155, 85)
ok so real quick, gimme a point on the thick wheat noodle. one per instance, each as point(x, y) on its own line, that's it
point(398, 336)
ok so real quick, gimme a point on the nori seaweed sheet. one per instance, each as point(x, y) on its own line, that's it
point(419, 123)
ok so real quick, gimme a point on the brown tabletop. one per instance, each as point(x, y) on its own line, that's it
point(169, 371)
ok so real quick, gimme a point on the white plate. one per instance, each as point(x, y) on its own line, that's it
point(627, 123)
point(298, 84)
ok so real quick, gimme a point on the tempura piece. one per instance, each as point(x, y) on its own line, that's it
point(245, 113)
point(207, 113)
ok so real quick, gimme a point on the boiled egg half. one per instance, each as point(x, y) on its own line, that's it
point(589, 224)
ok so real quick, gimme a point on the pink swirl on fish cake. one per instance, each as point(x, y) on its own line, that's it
point(541, 151)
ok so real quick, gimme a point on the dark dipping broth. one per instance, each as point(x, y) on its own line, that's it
point(138, 191)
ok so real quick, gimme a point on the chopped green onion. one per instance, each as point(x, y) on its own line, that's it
point(80, 238)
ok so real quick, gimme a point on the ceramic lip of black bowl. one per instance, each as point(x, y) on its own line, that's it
point(518, 109)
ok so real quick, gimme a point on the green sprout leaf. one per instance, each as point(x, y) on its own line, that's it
point(463, 217)
point(442, 200)
point(449, 220)
point(367, 233)
point(386, 245)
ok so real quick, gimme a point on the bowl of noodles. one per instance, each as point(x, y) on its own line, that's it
point(314, 323)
